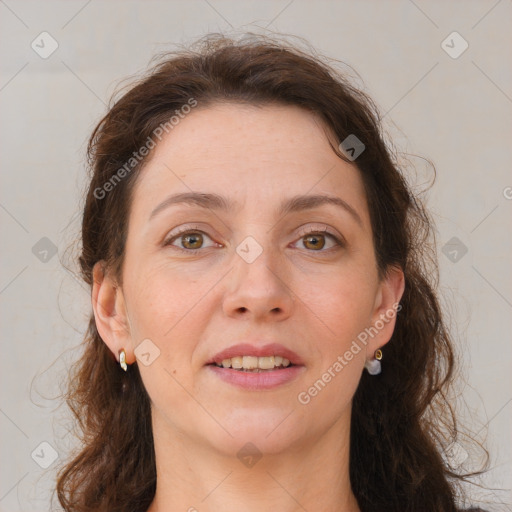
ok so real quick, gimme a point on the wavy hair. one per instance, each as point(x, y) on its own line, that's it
point(401, 419)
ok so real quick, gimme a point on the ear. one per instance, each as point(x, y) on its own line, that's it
point(110, 313)
point(390, 291)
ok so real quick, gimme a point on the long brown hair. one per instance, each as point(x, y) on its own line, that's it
point(400, 420)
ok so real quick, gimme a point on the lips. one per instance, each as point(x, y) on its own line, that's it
point(247, 349)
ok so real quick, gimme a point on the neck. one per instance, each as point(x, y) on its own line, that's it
point(195, 477)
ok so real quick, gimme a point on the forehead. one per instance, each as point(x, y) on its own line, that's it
point(248, 133)
point(248, 153)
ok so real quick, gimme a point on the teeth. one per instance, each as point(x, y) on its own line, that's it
point(266, 363)
point(250, 362)
point(254, 362)
point(237, 362)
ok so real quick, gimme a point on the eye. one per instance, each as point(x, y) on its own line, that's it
point(315, 239)
point(191, 240)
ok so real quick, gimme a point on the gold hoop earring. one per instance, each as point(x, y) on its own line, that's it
point(122, 360)
point(378, 354)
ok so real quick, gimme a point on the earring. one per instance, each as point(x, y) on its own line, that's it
point(373, 366)
point(122, 360)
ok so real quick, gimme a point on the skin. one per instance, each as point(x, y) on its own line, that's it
point(314, 299)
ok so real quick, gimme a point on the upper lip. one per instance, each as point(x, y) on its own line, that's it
point(247, 349)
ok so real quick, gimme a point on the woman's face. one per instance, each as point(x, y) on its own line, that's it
point(249, 272)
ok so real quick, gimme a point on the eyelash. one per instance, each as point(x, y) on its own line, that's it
point(305, 232)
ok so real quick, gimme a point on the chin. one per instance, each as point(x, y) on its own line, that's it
point(270, 433)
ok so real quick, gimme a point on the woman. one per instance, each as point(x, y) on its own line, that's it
point(252, 248)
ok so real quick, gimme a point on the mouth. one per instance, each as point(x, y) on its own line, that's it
point(255, 364)
point(255, 367)
point(252, 357)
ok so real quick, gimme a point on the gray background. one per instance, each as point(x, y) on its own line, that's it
point(454, 111)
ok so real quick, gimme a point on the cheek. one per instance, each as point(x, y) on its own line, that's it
point(167, 310)
point(343, 302)
point(163, 299)
point(172, 309)
point(342, 310)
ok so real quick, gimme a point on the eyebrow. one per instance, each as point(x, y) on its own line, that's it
point(291, 205)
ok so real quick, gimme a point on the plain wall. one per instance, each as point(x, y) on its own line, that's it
point(454, 111)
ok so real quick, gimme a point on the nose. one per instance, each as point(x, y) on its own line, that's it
point(259, 290)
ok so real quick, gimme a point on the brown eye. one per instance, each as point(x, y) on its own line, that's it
point(192, 240)
point(314, 241)
point(189, 241)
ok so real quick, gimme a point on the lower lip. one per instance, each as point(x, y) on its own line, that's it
point(256, 381)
